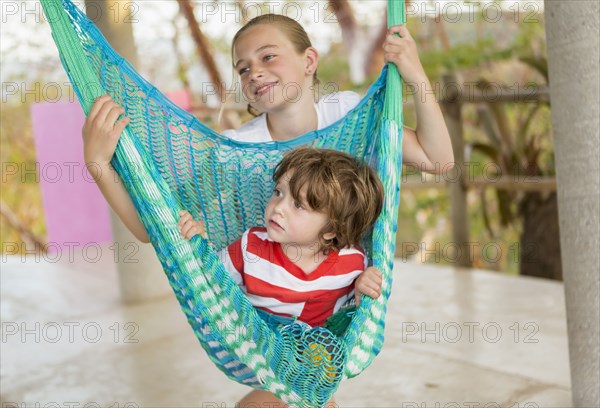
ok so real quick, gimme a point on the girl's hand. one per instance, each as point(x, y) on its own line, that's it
point(102, 130)
point(402, 51)
point(189, 226)
point(368, 283)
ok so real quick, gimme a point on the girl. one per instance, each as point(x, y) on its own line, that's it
point(278, 71)
point(277, 66)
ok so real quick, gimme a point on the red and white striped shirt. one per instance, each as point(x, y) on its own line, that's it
point(276, 285)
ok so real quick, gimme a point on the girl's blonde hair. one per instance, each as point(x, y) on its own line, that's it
point(338, 185)
point(292, 30)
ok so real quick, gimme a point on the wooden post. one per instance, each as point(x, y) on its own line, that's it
point(140, 274)
point(114, 19)
point(452, 106)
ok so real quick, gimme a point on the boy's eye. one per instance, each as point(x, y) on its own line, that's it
point(243, 71)
point(298, 204)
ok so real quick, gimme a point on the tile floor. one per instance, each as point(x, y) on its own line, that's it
point(454, 338)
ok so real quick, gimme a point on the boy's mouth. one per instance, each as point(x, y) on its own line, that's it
point(264, 88)
point(275, 225)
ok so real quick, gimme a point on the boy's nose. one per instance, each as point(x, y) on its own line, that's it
point(278, 209)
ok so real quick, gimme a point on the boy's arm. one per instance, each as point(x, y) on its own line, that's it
point(231, 256)
point(368, 283)
point(429, 147)
point(188, 226)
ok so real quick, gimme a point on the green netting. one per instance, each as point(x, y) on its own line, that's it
point(168, 160)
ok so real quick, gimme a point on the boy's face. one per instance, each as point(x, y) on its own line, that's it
point(294, 223)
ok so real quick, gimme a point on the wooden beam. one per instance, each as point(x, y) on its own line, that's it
point(458, 92)
point(541, 184)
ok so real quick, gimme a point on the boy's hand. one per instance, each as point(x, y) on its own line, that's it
point(189, 226)
point(368, 283)
point(402, 51)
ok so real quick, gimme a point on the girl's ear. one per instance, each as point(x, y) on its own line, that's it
point(312, 60)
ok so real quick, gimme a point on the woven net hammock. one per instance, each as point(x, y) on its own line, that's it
point(168, 160)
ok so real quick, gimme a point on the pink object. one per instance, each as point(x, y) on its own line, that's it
point(182, 98)
point(77, 215)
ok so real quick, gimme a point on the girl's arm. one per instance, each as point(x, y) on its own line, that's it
point(428, 147)
point(101, 132)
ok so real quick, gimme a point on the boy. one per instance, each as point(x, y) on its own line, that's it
point(306, 262)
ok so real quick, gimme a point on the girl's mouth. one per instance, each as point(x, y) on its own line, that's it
point(263, 89)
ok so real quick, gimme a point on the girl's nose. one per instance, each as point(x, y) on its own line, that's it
point(256, 73)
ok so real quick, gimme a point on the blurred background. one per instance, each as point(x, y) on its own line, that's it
point(496, 51)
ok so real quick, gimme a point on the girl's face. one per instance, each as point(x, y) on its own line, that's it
point(292, 222)
point(272, 73)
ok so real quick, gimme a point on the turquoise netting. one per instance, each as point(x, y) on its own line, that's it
point(168, 160)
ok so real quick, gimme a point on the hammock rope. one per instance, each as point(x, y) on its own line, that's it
point(168, 160)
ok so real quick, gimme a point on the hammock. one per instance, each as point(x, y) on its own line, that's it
point(168, 160)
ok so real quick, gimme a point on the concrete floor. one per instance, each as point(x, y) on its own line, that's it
point(454, 338)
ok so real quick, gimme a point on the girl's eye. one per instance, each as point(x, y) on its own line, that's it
point(276, 192)
point(243, 71)
point(268, 57)
point(298, 205)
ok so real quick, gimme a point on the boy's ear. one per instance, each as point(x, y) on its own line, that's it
point(329, 235)
point(312, 59)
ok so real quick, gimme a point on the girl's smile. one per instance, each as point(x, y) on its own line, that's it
point(265, 88)
point(273, 73)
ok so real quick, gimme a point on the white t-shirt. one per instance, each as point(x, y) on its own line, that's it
point(330, 108)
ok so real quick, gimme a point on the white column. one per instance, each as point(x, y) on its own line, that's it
point(573, 44)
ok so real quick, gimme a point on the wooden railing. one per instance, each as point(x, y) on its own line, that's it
point(457, 179)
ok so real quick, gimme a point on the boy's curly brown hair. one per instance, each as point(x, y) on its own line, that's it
point(338, 185)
